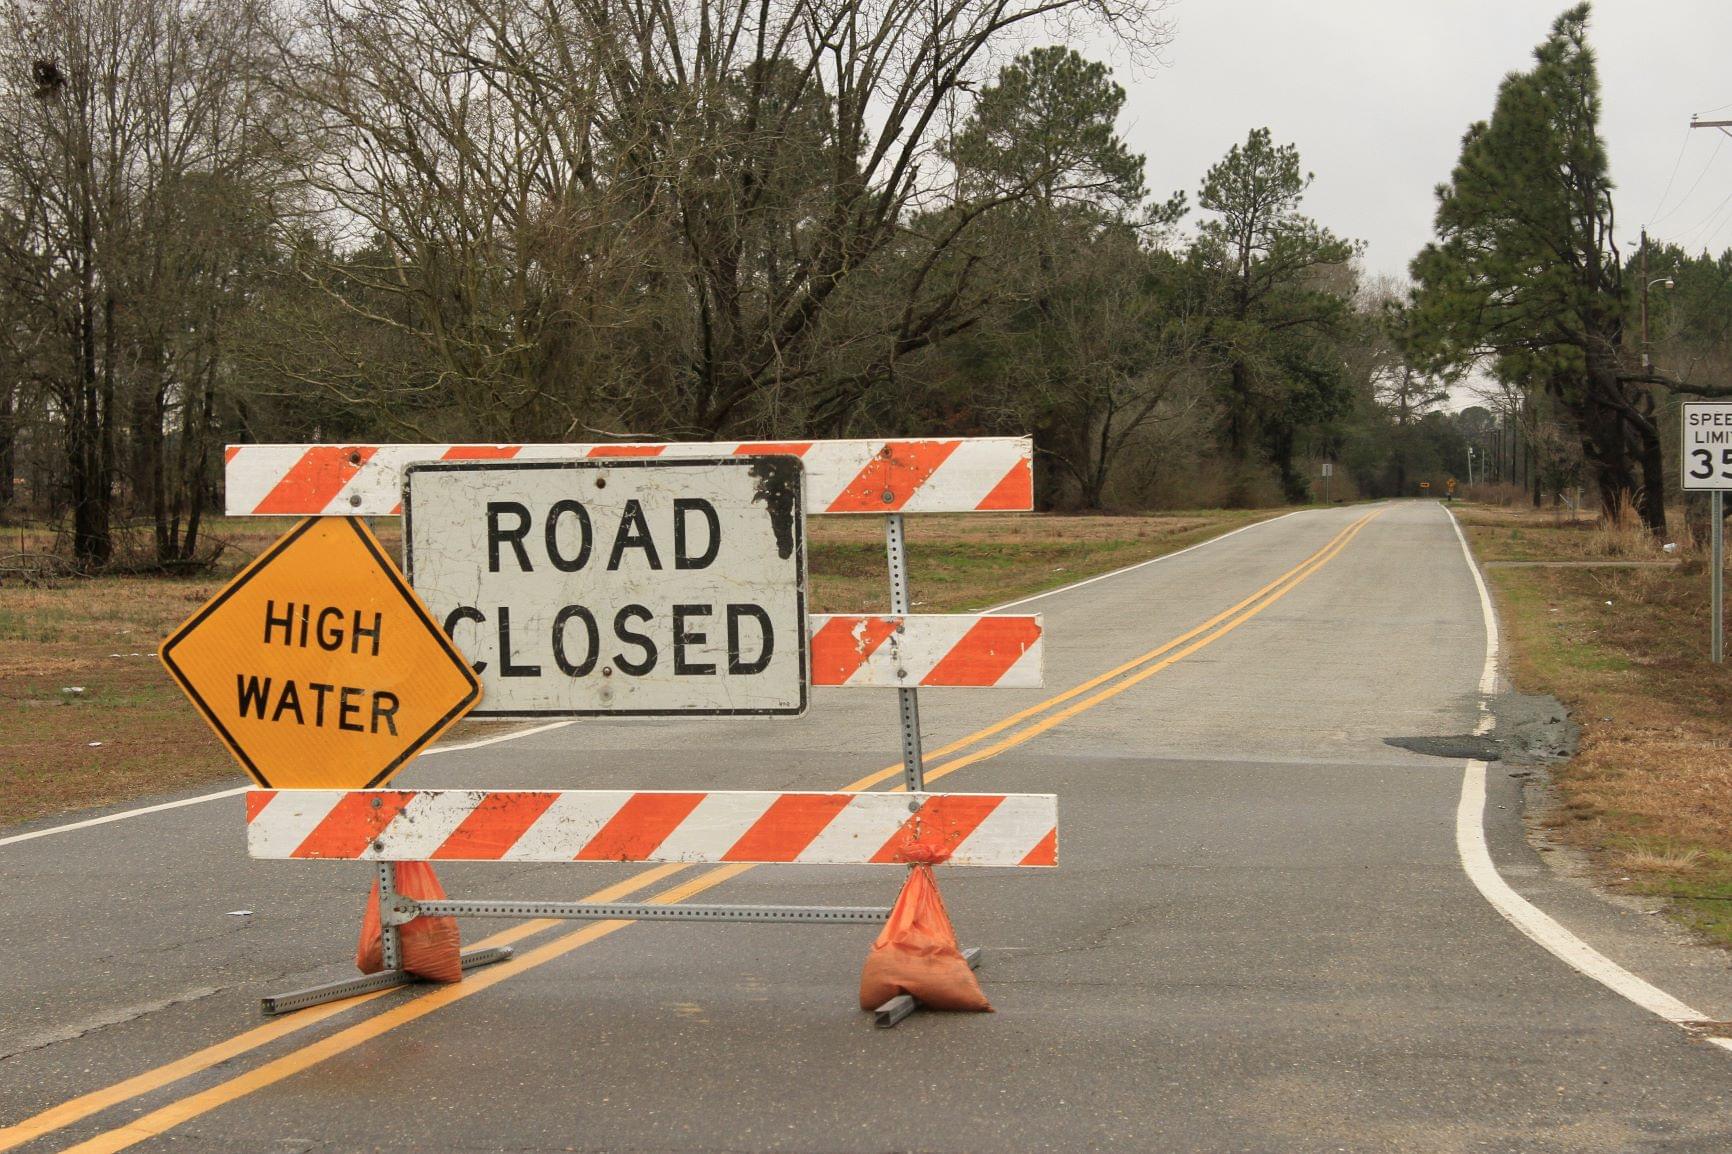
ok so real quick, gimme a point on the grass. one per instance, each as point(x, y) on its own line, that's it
point(1649, 794)
point(89, 717)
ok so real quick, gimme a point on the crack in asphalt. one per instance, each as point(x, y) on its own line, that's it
point(111, 1019)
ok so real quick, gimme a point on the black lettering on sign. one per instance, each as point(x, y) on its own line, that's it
point(330, 639)
point(631, 637)
point(286, 622)
point(321, 689)
point(498, 534)
point(737, 664)
point(359, 631)
point(506, 668)
point(560, 561)
point(683, 638)
point(252, 694)
point(290, 700)
point(682, 557)
point(255, 700)
point(593, 646)
point(382, 713)
point(465, 613)
point(633, 534)
point(347, 709)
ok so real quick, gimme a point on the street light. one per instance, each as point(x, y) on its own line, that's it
point(1647, 361)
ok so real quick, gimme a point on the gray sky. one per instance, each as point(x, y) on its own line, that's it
point(1376, 94)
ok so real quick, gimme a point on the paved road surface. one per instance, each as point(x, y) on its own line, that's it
point(1260, 938)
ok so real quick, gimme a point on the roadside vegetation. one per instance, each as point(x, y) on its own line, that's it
point(89, 717)
point(255, 222)
point(1623, 642)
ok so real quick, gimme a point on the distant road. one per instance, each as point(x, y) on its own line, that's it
point(1261, 936)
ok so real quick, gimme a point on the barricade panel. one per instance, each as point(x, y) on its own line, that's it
point(927, 650)
point(934, 475)
point(763, 827)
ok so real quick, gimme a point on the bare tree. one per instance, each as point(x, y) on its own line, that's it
point(133, 138)
point(649, 212)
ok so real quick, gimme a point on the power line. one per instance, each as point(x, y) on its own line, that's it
point(1685, 199)
point(1712, 221)
point(1682, 145)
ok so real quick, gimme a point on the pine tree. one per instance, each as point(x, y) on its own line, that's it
point(1525, 277)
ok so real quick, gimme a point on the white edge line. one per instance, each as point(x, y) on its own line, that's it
point(513, 736)
point(220, 794)
point(1140, 564)
point(121, 816)
point(1476, 860)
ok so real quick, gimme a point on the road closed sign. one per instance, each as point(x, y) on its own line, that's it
point(620, 587)
point(1707, 445)
point(317, 666)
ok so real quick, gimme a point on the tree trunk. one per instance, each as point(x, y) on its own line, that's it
point(147, 465)
point(8, 444)
point(1239, 414)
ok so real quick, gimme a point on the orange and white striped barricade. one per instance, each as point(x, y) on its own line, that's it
point(898, 650)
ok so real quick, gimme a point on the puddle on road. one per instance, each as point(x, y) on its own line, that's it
point(1530, 728)
point(1460, 745)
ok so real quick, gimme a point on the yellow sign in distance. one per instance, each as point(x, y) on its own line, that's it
point(318, 666)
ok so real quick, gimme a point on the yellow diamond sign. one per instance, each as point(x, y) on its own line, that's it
point(318, 666)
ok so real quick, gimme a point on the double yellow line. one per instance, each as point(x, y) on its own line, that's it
point(1040, 718)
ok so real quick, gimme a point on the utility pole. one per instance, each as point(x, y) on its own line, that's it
point(1647, 361)
point(1717, 499)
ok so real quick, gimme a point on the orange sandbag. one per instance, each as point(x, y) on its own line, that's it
point(429, 945)
point(916, 954)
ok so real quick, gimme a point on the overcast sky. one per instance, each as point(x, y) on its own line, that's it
point(1376, 94)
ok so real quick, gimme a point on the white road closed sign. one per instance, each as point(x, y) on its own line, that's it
point(617, 586)
point(1707, 445)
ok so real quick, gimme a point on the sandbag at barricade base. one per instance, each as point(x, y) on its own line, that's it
point(428, 945)
point(916, 954)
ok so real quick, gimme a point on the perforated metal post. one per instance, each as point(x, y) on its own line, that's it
point(390, 940)
point(907, 699)
point(1717, 599)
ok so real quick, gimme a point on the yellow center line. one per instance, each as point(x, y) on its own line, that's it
point(201, 1102)
point(96, 1101)
point(1292, 575)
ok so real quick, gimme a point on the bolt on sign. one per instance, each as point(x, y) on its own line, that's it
point(1707, 445)
point(621, 587)
point(318, 666)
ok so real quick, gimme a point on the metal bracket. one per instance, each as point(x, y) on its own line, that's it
point(907, 700)
point(902, 1005)
point(383, 980)
point(652, 912)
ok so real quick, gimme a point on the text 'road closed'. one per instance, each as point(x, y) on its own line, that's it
point(617, 587)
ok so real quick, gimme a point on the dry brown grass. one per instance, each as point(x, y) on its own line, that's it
point(130, 733)
point(1523, 533)
point(1649, 794)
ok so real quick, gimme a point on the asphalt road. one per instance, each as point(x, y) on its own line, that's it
point(1260, 936)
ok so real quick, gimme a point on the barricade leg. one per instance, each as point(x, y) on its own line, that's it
point(390, 951)
point(902, 1005)
point(913, 756)
point(272, 1005)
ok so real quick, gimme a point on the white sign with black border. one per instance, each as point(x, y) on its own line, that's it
point(615, 586)
point(1706, 447)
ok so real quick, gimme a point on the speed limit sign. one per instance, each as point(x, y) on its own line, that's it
point(1707, 445)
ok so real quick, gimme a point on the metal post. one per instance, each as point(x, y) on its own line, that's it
point(907, 701)
point(390, 953)
point(1717, 644)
